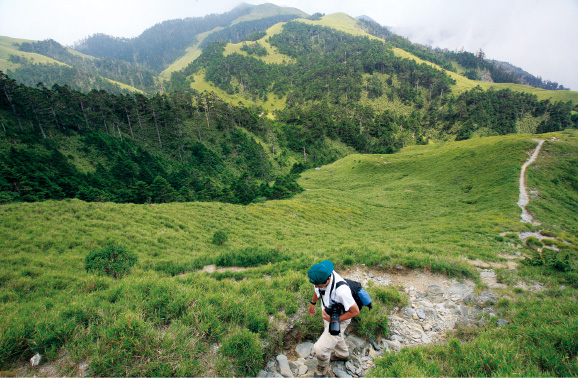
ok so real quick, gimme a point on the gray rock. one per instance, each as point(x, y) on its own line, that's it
point(483, 299)
point(284, 368)
point(304, 350)
point(34, 361)
point(341, 373)
point(409, 311)
point(303, 369)
point(501, 322)
point(426, 339)
point(311, 364)
point(262, 374)
point(429, 313)
point(353, 365)
point(394, 344)
point(355, 344)
point(294, 365)
point(421, 314)
point(464, 311)
point(434, 290)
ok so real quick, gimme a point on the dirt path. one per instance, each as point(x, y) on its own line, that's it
point(524, 198)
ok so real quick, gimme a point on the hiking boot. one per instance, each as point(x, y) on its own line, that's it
point(321, 372)
point(335, 357)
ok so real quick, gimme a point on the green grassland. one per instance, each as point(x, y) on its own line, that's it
point(8, 47)
point(426, 207)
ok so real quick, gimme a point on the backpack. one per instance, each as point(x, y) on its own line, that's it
point(360, 295)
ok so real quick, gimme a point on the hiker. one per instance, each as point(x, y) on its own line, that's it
point(335, 299)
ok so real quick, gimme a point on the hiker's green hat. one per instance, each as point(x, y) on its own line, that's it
point(319, 273)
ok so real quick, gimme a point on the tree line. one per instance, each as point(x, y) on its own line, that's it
point(165, 148)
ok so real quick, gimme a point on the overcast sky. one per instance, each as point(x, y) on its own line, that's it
point(537, 35)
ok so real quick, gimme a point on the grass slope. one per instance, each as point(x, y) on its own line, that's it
point(464, 84)
point(8, 47)
point(345, 23)
point(425, 207)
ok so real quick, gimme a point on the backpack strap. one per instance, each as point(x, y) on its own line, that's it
point(333, 286)
point(340, 283)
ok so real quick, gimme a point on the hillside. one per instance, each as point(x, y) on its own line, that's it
point(431, 208)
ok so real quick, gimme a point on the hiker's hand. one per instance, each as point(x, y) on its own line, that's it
point(325, 316)
point(311, 309)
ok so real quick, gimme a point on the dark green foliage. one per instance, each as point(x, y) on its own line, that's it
point(249, 257)
point(28, 175)
point(138, 147)
point(254, 49)
point(246, 350)
point(220, 237)
point(112, 260)
point(255, 36)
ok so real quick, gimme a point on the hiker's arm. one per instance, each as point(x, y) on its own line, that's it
point(311, 308)
point(351, 313)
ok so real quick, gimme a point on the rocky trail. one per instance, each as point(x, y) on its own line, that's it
point(437, 305)
point(524, 199)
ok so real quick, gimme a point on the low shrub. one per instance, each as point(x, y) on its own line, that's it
point(372, 323)
point(220, 237)
point(245, 348)
point(113, 260)
point(534, 243)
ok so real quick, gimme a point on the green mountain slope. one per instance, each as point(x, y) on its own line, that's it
point(349, 25)
point(426, 207)
point(50, 63)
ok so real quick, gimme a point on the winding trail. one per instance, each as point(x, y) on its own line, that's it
point(524, 199)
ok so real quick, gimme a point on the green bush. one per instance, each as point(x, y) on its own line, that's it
point(246, 351)
point(220, 237)
point(390, 296)
point(534, 243)
point(372, 323)
point(113, 260)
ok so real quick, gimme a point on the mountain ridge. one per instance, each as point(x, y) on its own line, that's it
point(188, 52)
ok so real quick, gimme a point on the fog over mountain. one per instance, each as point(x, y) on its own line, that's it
point(533, 34)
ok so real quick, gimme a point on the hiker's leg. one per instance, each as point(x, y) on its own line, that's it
point(341, 350)
point(323, 347)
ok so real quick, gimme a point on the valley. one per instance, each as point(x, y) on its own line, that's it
point(162, 198)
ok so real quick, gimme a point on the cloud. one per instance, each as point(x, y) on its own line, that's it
point(67, 21)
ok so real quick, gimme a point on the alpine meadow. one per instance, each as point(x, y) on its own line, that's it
point(162, 198)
